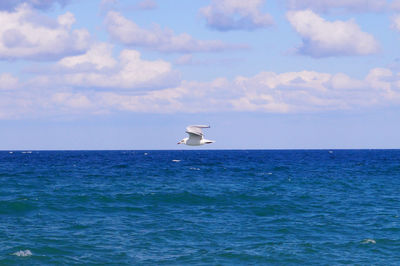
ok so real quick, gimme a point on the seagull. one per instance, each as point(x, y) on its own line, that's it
point(196, 137)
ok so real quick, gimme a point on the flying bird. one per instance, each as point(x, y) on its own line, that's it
point(196, 136)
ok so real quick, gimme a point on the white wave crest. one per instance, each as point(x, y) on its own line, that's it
point(23, 253)
point(368, 241)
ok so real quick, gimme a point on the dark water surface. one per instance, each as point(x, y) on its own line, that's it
point(200, 207)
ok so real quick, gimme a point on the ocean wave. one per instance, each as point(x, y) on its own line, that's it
point(116, 208)
point(368, 241)
point(23, 253)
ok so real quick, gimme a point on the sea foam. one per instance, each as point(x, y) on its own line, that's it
point(368, 241)
point(23, 253)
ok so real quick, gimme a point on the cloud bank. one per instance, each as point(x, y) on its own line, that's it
point(291, 92)
point(270, 92)
point(323, 38)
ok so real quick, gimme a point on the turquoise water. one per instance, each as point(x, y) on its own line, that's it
point(200, 207)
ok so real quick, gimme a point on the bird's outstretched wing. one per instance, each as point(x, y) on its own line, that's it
point(196, 130)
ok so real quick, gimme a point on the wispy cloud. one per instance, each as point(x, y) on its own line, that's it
point(339, 5)
point(323, 38)
point(227, 15)
point(107, 5)
point(396, 22)
point(8, 81)
point(395, 5)
point(160, 39)
point(116, 5)
point(27, 34)
point(147, 4)
point(190, 60)
point(39, 4)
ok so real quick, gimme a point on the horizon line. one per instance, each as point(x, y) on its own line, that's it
point(233, 149)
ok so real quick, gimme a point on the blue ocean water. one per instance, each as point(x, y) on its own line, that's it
point(200, 207)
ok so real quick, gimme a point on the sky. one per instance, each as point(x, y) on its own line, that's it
point(264, 74)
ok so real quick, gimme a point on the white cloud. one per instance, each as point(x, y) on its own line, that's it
point(98, 69)
point(98, 57)
point(26, 34)
point(342, 81)
point(227, 15)
point(323, 38)
point(380, 78)
point(71, 100)
point(165, 40)
point(346, 5)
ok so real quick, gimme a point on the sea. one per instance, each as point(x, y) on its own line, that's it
point(200, 207)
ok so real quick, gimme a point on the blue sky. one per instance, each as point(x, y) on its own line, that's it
point(118, 74)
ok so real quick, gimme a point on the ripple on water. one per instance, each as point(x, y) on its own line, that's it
point(212, 207)
point(16, 207)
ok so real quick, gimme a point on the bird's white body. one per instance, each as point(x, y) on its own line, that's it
point(196, 137)
point(195, 142)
